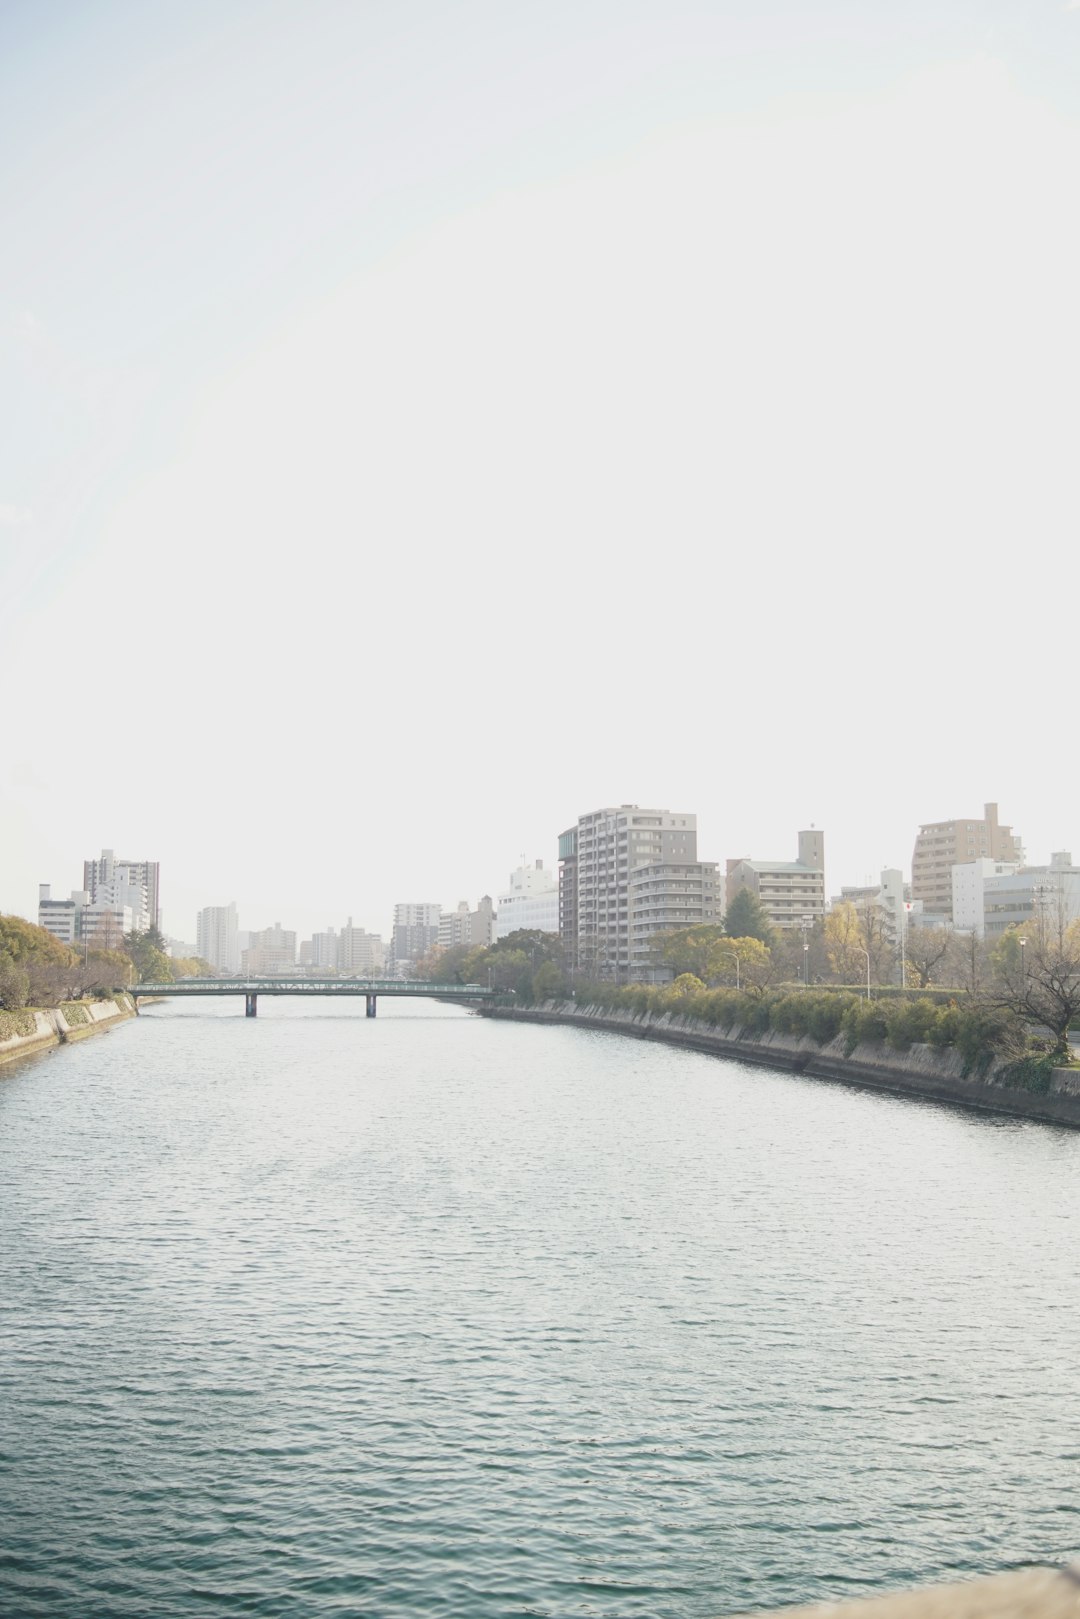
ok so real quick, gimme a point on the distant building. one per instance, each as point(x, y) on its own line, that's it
point(360, 954)
point(625, 874)
point(61, 917)
point(216, 939)
point(941, 845)
point(415, 935)
point(131, 883)
point(890, 897)
point(271, 951)
point(531, 901)
point(323, 951)
point(969, 881)
point(792, 892)
point(1033, 894)
point(469, 928)
point(568, 893)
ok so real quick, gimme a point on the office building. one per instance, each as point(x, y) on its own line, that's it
point(1033, 897)
point(216, 938)
point(792, 892)
point(941, 845)
point(61, 917)
point(531, 901)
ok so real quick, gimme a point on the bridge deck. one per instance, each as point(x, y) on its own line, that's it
point(318, 986)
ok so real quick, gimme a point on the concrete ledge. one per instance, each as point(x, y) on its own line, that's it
point(53, 1029)
point(924, 1071)
point(1030, 1593)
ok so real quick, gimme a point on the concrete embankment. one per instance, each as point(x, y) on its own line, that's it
point(924, 1071)
point(57, 1026)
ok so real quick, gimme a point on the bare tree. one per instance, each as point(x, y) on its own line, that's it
point(925, 951)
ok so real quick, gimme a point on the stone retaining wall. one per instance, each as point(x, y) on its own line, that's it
point(51, 1028)
point(923, 1071)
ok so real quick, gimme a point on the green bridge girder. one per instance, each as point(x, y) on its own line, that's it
point(319, 986)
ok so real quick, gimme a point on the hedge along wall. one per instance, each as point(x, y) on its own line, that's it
point(823, 1015)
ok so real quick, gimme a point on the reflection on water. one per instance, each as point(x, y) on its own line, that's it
point(315, 1315)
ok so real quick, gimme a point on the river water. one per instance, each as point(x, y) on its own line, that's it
point(315, 1316)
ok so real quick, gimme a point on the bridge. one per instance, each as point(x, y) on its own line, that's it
point(370, 988)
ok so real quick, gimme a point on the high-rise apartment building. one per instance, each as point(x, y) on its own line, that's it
point(415, 935)
point(625, 875)
point(792, 892)
point(216, 937)
point(131, 883)
point(941, 845)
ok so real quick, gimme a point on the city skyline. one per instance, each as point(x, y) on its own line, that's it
point(299, 916)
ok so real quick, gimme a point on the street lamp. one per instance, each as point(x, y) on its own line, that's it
point(1023, 980)
point(866, 953)
point(734, 956)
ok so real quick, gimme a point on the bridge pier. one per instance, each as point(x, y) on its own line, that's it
point(371, 999)
point(251, 1001)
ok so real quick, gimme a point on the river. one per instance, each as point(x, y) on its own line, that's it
point(312, 1315)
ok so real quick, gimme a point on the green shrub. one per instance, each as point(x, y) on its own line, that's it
point(909, 1023)
point(1035, 1073)
point(74, 1013)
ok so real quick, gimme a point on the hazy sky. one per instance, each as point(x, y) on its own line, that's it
point(425, 422)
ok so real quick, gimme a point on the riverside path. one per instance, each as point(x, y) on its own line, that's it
point(370, 988)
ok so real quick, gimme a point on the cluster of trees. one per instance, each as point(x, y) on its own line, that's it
point(528, 962)
point(38, 970)
point(1024, 987)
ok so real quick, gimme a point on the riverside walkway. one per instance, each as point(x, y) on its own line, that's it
point(370, 988)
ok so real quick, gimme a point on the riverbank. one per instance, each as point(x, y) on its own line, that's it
point(924, 1071)
point(38, 1030)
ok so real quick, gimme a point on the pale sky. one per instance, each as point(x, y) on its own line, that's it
point(425, 423)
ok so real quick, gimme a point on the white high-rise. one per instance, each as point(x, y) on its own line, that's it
point(216, 940)
point(531, 901)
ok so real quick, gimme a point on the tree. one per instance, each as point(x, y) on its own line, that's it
point(689, 950)
point(1037, 972)
point(152, 965)
point(51, 968)
point(968, 962)
point(845, 947)
point(743, 962)
point(14, 983)
point(747, 918)
point(924, 952)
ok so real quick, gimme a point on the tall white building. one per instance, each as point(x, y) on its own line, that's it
point(131, 883)
point(531, 901)
point(465, 927)
point(217, 937)
point(61, 917)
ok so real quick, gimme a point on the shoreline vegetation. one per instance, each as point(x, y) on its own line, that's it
point(985, 1014)
point(28, 1030)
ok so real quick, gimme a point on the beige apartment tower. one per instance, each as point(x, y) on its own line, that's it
point(941, 845)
